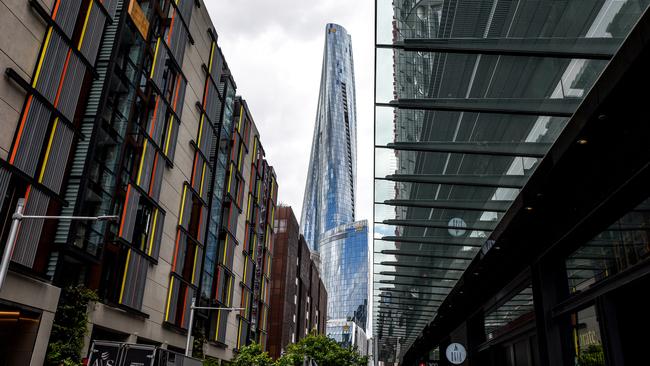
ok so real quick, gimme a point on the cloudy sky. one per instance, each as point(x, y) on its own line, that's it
point(274, 50)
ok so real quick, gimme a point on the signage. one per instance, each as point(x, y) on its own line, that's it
point(456, 353)
point(104, 354)
point(457, 227)
point(139, 18)
point(138, 355)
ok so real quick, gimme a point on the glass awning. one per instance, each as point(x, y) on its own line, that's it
point(470, 96)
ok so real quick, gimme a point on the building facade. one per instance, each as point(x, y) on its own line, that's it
point(128, 108)
point(329, 202)
point(298, 295)
point(488, 232)
point(331, 178)
point(344, 264)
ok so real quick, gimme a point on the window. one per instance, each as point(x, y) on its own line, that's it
point(143, 221)
point(587, 341)
point(280, 226)
point(622, 245)
point(178, 308)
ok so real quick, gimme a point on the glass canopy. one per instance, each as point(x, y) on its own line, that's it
point(470, 96)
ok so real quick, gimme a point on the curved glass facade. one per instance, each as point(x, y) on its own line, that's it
point(344, 266)
point(329, 193)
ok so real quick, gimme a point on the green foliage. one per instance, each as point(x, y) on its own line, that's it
point(325, 351)
point(593, 356)
point(210, 362)
point(70, 326)
point(199, 341)
point(319, 348)
point(252, 355)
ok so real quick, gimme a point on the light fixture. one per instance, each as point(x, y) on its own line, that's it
point(528, 208)
point(582, 141)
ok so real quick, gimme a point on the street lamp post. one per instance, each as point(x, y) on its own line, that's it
point(13, 232)
point(188, 350)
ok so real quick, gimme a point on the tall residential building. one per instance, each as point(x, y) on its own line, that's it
point(331, 179)
point(128, 108)
point(298, 295)
point(510, 181)
point(339, 243)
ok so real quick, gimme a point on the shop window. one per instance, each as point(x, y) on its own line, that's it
point(587, 340)
point(622, 245)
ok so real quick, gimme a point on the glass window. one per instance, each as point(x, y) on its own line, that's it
point(586, 336)
point(622, 245)
point(514, 311)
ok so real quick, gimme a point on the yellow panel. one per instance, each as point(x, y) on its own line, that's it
point(42, 57)
point(47, 151)
point(155, 56)
point(169, 298)
point(180, 216)
point(126, 271)
point(83, 32)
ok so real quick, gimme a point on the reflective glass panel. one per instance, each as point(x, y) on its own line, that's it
point(624, 244)
point(518, 309)
point(493, 79)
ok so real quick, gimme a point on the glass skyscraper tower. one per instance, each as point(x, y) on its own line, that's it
point(329, 193)
point(327, 218)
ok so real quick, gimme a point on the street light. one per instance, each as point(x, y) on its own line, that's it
point(188, 350)
point(13, 232)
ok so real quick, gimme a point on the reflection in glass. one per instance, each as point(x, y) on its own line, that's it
point(513, 312)
point(624, 244)
point(586, 336)
point(344, 270)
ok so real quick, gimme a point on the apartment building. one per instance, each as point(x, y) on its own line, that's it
point(128, 108)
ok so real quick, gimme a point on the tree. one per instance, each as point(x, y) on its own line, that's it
point(70, 326)
point(252, 355)
point(324, 351)
point(319, 348)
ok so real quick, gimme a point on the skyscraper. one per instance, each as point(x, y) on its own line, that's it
point(329, 193)
point(328, 207)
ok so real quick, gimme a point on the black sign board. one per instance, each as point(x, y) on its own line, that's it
point(104, 354)
point(136, 355)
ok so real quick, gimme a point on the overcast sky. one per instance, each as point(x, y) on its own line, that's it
point(275, 50)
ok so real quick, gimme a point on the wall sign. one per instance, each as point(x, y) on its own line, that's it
point(456, 353)
point(457, 227)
